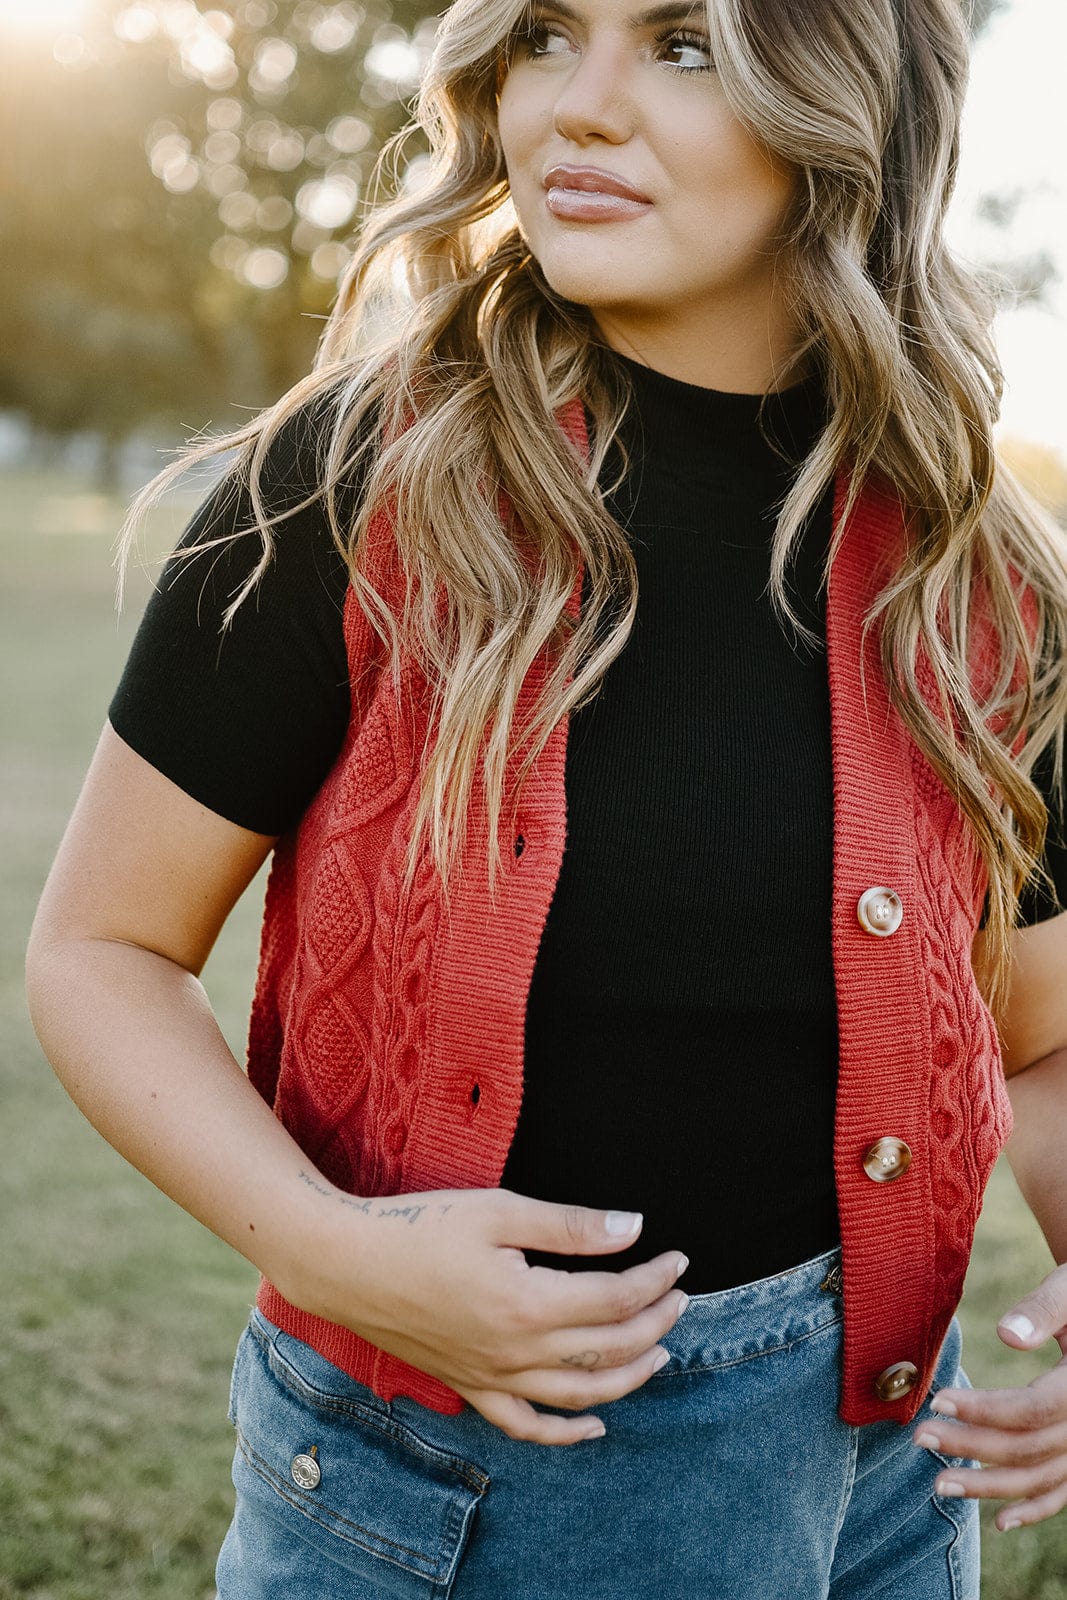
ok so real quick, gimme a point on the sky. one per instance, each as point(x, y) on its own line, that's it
point(1015, 137)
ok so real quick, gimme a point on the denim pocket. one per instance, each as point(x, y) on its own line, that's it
point(323, 1458)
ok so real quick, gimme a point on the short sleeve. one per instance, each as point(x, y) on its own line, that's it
point(248, 721)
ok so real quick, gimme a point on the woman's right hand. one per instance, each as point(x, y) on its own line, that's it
point(443, 1284)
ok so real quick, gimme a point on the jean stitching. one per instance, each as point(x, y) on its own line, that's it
point(388, 1427)
point(847, 1485)
point(320, 1512)
point(724, 1366)
point(957, 1524)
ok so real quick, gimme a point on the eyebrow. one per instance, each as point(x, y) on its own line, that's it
point(672, 11)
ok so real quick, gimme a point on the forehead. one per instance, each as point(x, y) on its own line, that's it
point(622, 11)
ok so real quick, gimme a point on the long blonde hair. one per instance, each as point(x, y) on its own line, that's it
point(446, 335)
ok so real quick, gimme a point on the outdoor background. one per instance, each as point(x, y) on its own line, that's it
point(178, 189)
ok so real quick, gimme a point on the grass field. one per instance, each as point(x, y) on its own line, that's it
point(118, 1314)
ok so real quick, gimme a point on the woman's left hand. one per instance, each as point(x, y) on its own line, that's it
point(1020, 1433)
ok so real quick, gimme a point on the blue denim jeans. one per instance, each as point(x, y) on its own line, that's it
point(728, 1475)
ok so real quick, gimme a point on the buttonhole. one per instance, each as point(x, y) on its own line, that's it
point(520, 845)
point(476, 1095)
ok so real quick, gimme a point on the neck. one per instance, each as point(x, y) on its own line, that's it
point(739, 347)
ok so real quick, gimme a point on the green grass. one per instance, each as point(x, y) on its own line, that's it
point(118, 1314)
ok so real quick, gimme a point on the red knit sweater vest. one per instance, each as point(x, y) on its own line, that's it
point(377, 1015)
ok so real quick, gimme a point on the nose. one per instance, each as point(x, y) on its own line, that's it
point(594, 102)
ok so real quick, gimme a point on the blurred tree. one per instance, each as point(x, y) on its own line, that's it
point(176, 231)
point(97, 278)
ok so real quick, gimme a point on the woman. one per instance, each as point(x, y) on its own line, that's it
point(681, 325)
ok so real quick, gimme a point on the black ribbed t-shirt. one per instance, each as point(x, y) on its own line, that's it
point(681, 1042)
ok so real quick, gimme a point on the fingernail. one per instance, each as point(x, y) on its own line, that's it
point(618, 1222)
point(927, 1440)
point(683, 1262)
point(952, 1489)
point(597, 1432)
point(1006, 1527)
point(946, 1408)
point(682, 1303)
point(661, 1360)
point(1018, 1324)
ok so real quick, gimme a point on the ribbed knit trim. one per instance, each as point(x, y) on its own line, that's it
point(886, 1234)
point(386, 1374)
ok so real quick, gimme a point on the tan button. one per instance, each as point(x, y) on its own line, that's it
point(880, 911)
point(887, 1159)
point(896, 1381)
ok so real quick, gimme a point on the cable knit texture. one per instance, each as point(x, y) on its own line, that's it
point(387, 1027)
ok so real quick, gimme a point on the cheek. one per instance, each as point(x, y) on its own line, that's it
point(517, 124)
point(730, 173)
point(770, 186)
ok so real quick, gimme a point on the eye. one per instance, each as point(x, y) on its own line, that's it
point(686, 52)
point(541, 39)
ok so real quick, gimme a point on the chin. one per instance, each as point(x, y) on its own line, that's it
point(597, 282)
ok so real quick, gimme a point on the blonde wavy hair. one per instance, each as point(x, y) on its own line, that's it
point(447, 357)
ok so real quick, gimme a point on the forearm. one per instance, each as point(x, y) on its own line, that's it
point(1037, 1149)
point(134, 1040)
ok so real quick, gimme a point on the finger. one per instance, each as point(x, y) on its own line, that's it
point(594, 1299)
point(1041, 1404)
point(517, 1418)
point(997, 1446)
point(593, 1348)
point(1039, 1315)
point(1027, 1511)
point(1003, 1483)
point(575, 1389)
point(570, 1230)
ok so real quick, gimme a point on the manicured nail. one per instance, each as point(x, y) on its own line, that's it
point(952, 1489)
point(1006, 1527)
point(661, 1360)
point(622, 1221)
point(927, 1440)
point(597, 1432)
point(682, 1303)
point(946, 1408)
point(683, 1262)
point(1016, 1323)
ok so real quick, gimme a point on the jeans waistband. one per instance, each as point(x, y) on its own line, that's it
point(753, 1319)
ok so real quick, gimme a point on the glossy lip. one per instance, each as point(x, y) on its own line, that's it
point(592, 180)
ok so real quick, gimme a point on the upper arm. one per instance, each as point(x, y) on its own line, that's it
point(143, 863)
point(1034, 1023)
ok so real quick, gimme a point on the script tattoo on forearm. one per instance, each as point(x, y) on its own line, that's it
point(370, 1207)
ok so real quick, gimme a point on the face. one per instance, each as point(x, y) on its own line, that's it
point(640, 193)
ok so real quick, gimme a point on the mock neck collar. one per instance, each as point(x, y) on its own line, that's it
point(718, 437)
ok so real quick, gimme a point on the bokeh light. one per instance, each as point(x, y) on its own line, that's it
point(335, 27)
point(44, 17)
point(264, 267)
point(328, 203)
point(136, 24)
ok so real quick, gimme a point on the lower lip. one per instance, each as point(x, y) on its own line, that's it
point(585, 205)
